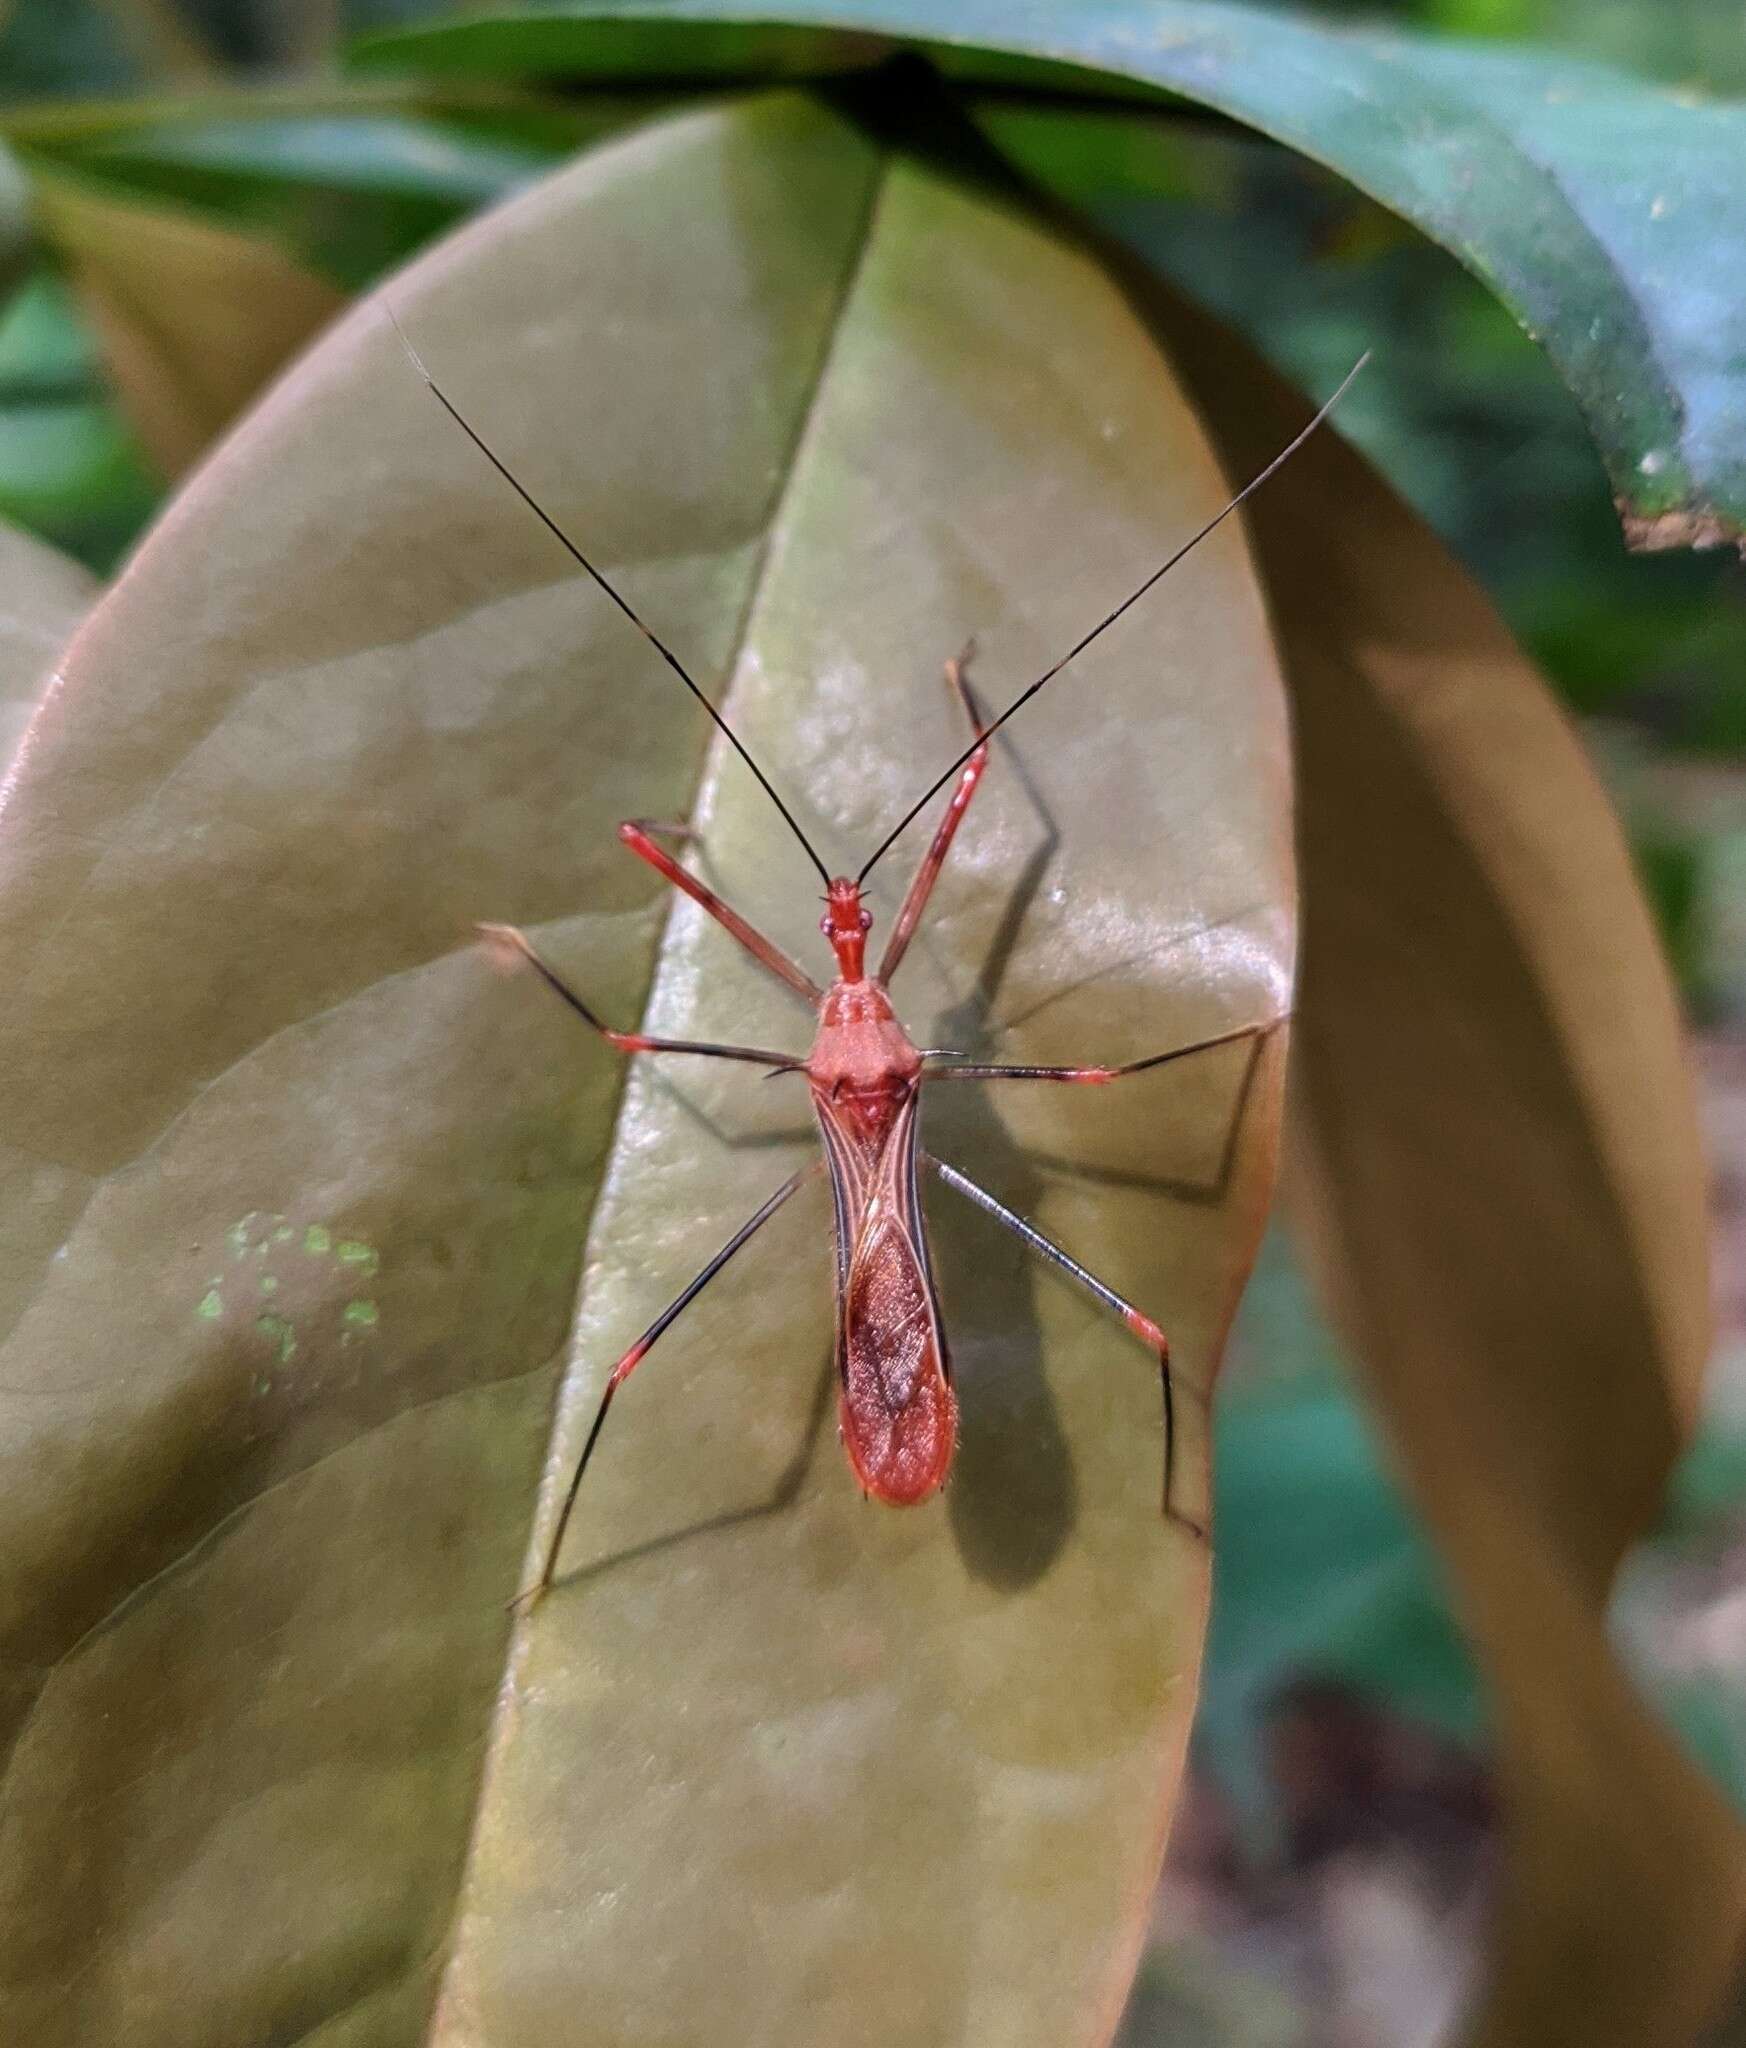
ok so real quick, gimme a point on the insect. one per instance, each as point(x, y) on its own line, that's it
point(897, 1411)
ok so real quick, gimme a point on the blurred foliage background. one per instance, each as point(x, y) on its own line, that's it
point(1329, 1866)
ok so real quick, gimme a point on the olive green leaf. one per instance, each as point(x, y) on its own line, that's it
point(338, 1229)
point(350, 178)
point(1501, 1175)
point(194, 316)
point(162, 39)
point(43, 596)
point(1607, 214)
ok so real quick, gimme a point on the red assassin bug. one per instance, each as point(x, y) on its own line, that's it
point(897, 1412)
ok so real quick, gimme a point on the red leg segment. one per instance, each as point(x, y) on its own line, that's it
point(916, 902)
point(635, 834)
point(632, 1041)
point(1142, 1326)
point(639, 1351)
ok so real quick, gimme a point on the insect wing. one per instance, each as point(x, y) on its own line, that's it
point(898, 1415)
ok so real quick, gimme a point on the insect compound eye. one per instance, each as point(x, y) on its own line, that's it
point(866, 920)
point(824, 924)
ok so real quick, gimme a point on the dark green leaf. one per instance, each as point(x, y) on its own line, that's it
point(1464, 415)
point(1609, 215)
point(353, 179)
point(50, 47)
point(69, 470)
point(395, 153)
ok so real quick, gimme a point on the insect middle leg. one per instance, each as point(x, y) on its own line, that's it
point(964, 1071)
point(916, 902)
point(1142, 1326)
point(640, 1350)
point(632, 1041)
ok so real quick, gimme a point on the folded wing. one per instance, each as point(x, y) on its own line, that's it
point(898, 1416)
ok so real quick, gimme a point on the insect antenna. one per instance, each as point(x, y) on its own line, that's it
point(1049, 674)
point(576, 555)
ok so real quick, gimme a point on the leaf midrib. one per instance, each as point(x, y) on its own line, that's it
point(716, 753)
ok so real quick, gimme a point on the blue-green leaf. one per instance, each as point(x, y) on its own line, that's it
point(1607, 214)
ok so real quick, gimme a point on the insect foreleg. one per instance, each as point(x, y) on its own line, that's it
point(1142, 1326)
point(632, 1041)
point(640, 1350)
point(916, 902)
point(635, 832)
point(1094, 1075)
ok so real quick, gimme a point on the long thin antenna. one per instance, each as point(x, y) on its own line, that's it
point(1024, 697)
point(576, 555)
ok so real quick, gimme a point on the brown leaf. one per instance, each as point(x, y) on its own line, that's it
point(194, 317)
point(1500, 1174)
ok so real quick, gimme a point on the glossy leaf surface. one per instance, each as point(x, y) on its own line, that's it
point(330, 1214)
point(1609, 215)
point(43, 596)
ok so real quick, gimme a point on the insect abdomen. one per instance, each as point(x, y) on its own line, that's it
point(898, 1415)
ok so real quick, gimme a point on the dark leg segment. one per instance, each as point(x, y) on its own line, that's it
point(635, 832)
point(1142, 1326)
point(640, 1350)
point(1094, 1075)
point(916, 902)
point(632, 1041)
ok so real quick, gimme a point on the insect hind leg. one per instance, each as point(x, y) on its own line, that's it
point(1142, 1325)
point(635, 1356)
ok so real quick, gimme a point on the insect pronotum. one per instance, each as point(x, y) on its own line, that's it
point(896, 1409)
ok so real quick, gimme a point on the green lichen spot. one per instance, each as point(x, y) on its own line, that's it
point(362, 1314)
point(284, 1234)
point(211, 1305)
point(269, 1285)
point(318, 1239)
point(278, 1331)
point(237, 1236)
point(354, 1252)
